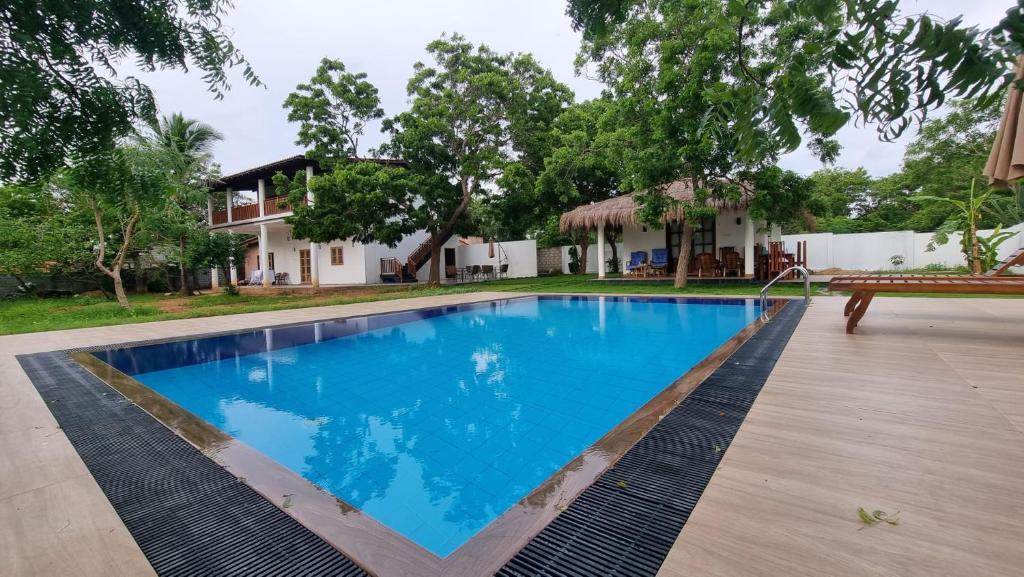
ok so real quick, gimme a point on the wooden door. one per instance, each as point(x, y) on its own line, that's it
point(305, 273)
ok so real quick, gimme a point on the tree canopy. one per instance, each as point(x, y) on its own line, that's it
point(62, 95)
point(805, 65)
point(332, 110)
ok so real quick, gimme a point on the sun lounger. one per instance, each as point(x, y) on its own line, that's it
point(864, 288)
point(1015, 259)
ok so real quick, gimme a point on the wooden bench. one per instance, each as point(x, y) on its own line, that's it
point(864, 288)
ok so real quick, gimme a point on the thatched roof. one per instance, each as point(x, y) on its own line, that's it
point(621, 210)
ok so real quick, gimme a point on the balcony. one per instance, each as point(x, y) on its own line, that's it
point(243, 212)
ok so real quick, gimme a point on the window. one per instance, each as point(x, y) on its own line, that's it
point(270, 261)
point(337, 255)
point(704, 237)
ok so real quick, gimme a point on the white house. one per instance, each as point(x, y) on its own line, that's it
point(251, 206)
point(732, 230)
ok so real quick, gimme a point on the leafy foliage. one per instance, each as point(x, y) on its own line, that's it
point(57, 67)
point(943, 159)
point(361, 201)
point(476, 116)
point(888, 68)
point(332, 110)
point(209, 249)
point(184, 147)
point(120, 188)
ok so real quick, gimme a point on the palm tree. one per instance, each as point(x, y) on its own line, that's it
point(186, 145)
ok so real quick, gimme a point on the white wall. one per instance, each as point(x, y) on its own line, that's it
point(592, 256)
point(521, 256)
point(286, 259)
point(872, 250)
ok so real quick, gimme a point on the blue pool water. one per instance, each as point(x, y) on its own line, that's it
point(435, 422)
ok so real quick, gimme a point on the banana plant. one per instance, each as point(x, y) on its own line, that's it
point(965, 222)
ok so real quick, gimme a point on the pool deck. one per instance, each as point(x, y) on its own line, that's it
point(921, 411)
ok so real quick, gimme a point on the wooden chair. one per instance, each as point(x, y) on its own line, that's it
point(732, 263)
point(778, 261)
point(474, 271)
point(659, 261)
point(451, 271)
point(487, 271)
point(706, 264)
point(503, 271)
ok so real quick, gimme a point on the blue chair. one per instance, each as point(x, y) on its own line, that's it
point(659, 261)
point(637, 262)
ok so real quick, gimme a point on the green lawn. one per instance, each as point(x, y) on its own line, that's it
point(33, 315)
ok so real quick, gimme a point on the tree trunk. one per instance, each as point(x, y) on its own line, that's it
point(114, 271)
point(434, 278)
point(683, 264)
point(584, 242)
point(122, 298)
point(810, 221)
point(975, 252)
point(186, 289)
point(612, 238)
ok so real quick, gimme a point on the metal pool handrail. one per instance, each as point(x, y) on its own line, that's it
point(764, 291)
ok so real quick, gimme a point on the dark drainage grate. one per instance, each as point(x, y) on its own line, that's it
point(626, 522)
point(188, 515)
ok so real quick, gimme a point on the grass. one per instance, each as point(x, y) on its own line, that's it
point(33, 315)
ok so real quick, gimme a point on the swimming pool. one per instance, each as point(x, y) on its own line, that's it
point(435, 422)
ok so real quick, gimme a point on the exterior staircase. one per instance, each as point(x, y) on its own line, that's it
point(394, 271)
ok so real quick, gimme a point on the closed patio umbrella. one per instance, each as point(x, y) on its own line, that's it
point(1006, 162)
point(490, 248)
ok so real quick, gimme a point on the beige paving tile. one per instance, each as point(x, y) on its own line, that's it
point(913, 413)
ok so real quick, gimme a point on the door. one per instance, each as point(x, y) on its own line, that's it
point(703, 240)
point(449, 262)
point(305, 273)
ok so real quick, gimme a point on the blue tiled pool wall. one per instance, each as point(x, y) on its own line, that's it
point(134, 360)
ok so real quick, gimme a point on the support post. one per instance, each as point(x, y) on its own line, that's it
point(228, 198)
point(264, 259)
point(214, 279)
point(600, 251)
point(209, 210)
point(261, 194)
point(233, 273)
point(314, 248)
point(748, 246)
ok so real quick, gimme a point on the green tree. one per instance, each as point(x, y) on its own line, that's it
point(220, 249)
point(57, 61)
point(811, 65)
point(185, 147)
point(332, 110)
point(41, 234)
point(119, 188)
point(581, 168)
point(469, 121)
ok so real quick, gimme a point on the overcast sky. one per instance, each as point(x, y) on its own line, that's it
point(384, 38)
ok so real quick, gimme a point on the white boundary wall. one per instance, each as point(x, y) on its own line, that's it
point(521, 255)
point(872, 250)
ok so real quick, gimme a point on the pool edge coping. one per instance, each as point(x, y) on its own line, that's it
point(589, 465)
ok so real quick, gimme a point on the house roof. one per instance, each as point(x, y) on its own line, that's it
point(621, 210)
point(248, 179)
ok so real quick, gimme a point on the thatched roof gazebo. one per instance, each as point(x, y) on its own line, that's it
point(621, 210)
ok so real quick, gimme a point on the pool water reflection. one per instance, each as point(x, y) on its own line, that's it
point(436, 422)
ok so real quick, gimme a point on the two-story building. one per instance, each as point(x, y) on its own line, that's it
point(252, 206)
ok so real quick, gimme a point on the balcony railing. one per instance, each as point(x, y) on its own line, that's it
point(271, 206)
